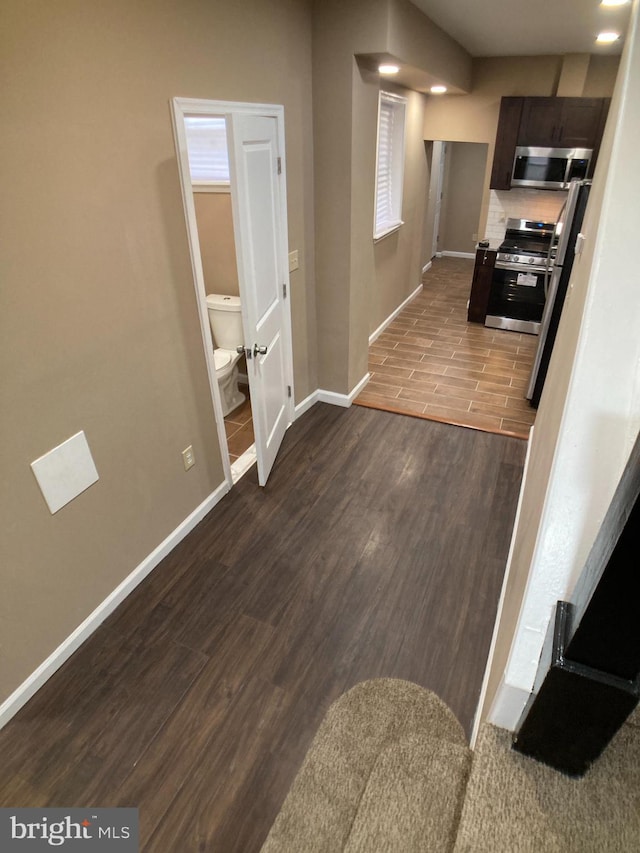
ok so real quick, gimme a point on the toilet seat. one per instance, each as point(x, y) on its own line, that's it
point(221, 358)
point(225, 361)
point(226, 365)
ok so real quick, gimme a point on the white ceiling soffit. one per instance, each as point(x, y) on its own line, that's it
point(527, 27)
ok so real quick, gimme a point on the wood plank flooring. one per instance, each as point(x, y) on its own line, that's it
point(377, 549)
point(431, 363)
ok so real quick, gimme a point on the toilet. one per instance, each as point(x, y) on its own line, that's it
point(225, 320)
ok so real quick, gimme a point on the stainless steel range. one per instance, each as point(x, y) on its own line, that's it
point(518, 287)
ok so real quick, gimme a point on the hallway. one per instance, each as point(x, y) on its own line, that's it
point(377, 548)
point(431, 363)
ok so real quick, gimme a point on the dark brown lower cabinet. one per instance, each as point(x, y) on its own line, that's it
point(481, 285)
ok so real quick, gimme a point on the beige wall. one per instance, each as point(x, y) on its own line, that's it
point(415, 39)
point(464, 182)
point(356, 281)
point(99, 327)
point(217, 244)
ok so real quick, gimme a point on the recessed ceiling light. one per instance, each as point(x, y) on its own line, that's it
point(438, 90)
point(388, 69)
point(614, 2)
point(607, 38)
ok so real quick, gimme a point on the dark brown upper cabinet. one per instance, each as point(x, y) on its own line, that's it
point(548, 123)
point(506, 141)
point(560, 122)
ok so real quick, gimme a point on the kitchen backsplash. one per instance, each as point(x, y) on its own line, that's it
point(543, 205)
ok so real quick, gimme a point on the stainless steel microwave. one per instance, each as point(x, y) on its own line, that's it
point(549, 168)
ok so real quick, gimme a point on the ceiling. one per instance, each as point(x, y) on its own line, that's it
point(527, 27)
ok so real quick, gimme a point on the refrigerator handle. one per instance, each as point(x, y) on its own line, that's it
point(548, 264)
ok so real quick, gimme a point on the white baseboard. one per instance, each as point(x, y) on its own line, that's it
point(427, 267)
point(26, 690)
point(375, 335)
point(505, 582)
point(306, 404)
point(457, 255)
point(344, 400)
point(331, 397)
point(508, 706)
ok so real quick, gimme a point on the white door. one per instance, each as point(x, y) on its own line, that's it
point(255, 166)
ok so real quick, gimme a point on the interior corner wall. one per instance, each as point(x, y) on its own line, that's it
point(99, 327)
point(358, 284)
point(589, 414)
point(340, 31)
point(364, 120)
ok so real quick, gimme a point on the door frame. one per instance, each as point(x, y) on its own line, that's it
point(181, 108)
point(440, 158)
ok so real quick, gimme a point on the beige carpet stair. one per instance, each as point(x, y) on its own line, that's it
point(389, 771)
point(387, 768)
point(516, 805)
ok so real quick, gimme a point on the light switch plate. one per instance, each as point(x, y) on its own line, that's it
point(293, 260)
point(65, 472)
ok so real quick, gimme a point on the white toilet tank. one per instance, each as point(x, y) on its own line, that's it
point(225, 320)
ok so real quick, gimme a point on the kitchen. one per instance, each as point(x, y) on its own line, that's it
point(526, 199)
point(524, 104)
point(546, 144)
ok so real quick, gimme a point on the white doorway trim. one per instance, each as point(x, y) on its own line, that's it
point(437, 186)
point(180, 109)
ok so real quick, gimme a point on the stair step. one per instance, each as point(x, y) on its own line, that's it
point(371, 728)
point(413, 799)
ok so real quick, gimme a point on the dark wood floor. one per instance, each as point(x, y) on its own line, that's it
point(376, 549)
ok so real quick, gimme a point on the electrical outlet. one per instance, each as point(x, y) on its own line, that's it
point(474, 237)
point(293, 260)
point(188, 457)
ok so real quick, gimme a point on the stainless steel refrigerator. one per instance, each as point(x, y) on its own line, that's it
point(564, 241)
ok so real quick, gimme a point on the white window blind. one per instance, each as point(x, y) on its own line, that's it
point(389, 164)
point(207, 147)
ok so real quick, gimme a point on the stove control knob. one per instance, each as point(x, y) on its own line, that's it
point(516, 259)
point(532, 260)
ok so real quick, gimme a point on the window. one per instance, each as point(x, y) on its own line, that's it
point(207, 147)
point(389, 164)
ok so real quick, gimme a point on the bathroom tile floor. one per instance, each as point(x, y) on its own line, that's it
point(431, 363)
point(239, 428)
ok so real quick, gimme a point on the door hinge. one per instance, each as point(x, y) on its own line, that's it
point(284, 290)
point(288, 390)
point(279, 165)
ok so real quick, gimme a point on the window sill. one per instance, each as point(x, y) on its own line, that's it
point(211, 187)
point(390, 230)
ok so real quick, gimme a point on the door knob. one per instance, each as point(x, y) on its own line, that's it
point(258, 350)
point(241, 351)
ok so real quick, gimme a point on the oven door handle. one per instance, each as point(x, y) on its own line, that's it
point(505, 265)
